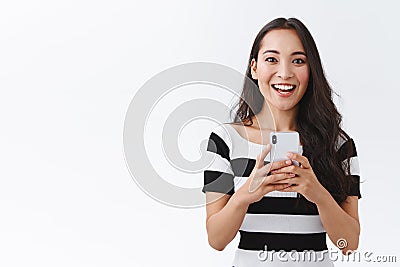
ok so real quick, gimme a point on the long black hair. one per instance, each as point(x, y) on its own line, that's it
point(318, 120)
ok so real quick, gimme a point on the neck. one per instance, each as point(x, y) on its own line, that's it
point(284, 120)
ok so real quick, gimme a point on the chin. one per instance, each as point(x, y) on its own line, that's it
point(283, 107)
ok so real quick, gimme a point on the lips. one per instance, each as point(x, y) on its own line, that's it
point(284, 89)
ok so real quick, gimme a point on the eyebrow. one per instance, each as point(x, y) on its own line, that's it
point(294, 53)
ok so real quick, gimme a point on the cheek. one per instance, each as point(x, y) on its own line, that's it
point(265, 74)
point(303, 76)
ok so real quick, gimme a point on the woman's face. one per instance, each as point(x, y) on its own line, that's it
point(281, 69)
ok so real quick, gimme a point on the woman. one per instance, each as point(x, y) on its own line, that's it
point(295, 206)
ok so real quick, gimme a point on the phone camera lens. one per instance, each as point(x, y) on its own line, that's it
point(274, 139)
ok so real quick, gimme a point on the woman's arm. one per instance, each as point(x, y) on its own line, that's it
point(225, 213)
point(340, 222)
point(224, 218)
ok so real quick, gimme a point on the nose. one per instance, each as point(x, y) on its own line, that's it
point(284, 71)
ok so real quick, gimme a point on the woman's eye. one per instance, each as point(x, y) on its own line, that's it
point(298, 61)
point(271, 59)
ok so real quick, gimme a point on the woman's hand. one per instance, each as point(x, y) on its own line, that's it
point(305, 182)
point(261, 181)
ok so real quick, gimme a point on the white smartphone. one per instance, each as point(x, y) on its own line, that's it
point(282, 143)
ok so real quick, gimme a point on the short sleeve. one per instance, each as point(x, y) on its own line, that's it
point(218, 177)
point(347, 155)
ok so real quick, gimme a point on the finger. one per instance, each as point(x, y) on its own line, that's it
point(275, 187)
point(289, 180)
point(278, 177)
point(299, 158)
point(289, 169)
point(291, 188)
point(275, 166)
point(260, 158)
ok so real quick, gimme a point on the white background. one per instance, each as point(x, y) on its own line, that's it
point(68, 71)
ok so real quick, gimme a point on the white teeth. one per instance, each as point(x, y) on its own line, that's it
point(283, 87)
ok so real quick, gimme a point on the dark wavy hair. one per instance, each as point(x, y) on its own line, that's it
point(318, 120)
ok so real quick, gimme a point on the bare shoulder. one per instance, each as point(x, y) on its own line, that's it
point(250, 133)
point(240, 127)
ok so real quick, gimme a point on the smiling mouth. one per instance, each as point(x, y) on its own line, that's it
point(284, 88)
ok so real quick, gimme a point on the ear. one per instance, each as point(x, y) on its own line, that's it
point(253, 69)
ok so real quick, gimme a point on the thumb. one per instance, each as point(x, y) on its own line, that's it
point(261, 157)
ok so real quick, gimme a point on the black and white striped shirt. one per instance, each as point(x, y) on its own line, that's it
point(280, 220)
